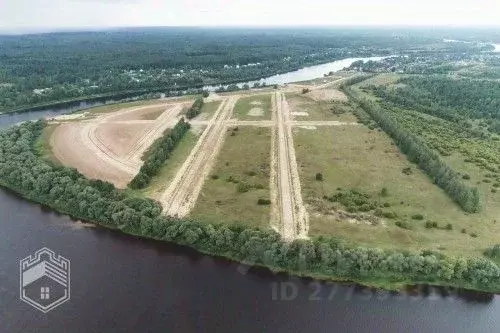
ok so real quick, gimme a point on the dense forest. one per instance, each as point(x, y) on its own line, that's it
point(447, 98)
point(50, 67)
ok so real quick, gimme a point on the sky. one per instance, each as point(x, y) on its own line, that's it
point(26, 15)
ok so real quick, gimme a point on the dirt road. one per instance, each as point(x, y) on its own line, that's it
point(293, 215)
point(182, 193)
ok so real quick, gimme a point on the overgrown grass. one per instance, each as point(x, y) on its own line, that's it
point(257, 103)
point(320, 110)
point(43, 146)
point(366, 160)
point(238, 180)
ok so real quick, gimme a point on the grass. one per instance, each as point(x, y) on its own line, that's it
point(243, 164)
point(245, 104)
point(359, 158)
point(160, 182)
point(208, 109)
point(321, 110)
point(43, 146)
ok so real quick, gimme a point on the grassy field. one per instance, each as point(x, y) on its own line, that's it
point(355, 157)
point(238, 180)
point(43, 146)
point(160, 182)
point(315, 110)
point(208, 110)
point(256, 107)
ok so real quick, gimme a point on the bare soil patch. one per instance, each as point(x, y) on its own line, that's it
point(256, 112)
point(120, 138)
point(68, 148)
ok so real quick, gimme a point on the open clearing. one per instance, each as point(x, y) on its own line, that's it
point(305, 108)
point(110, 145)
point(239, 179)
point(180, 197)
point(257, 107)
point(245, 147)
point(365, 160)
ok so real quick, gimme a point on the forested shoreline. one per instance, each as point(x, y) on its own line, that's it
point(46, 68)
point(66, 190)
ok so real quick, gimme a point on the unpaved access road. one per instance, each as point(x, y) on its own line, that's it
point(182, 193)
point(294, 221)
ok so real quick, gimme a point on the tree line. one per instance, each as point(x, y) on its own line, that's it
point(195, 109)
point(158, 153)
point(66, 190)
point(451, 99)
point(419, 153)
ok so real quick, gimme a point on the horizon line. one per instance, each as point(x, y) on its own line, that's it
point(48, 30)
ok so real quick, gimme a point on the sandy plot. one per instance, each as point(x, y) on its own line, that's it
point(256, 112)
point(120, 138)
point(69, 149)
point(139, 113)
point(327, 95)
point(300, 114)
point(70, 116)
point(308, 127)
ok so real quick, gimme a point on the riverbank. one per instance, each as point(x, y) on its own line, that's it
point(68, 192)
point(297, 73)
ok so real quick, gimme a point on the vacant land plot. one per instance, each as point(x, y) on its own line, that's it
point(305, 108)
point(109, 146)
point(363, 160)
point(256, 107)
point(160, 182)
point(239, 179)
point(327, 95)
point(208, 110)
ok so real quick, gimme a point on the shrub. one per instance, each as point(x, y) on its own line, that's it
point(464, 231)
point(493, 252)
point(474, 235)
point(386, 204)
point(244, 187)
point(417, 217)
point(305, 90)
point(466, 177)
point(449, 226)
point(319, 176)
point(408, 171)
point(402, 224)
point(215, 177)
point(263, 202)
point(205, 94)
point(384, 192)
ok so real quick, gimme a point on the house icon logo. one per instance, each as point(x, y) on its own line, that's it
point(44, 280)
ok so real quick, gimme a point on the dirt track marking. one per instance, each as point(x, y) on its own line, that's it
point(182, 193)
point(294, 221)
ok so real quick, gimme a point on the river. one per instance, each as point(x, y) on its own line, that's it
point(123, 284)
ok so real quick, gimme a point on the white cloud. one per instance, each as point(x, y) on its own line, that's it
point(88, 13)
